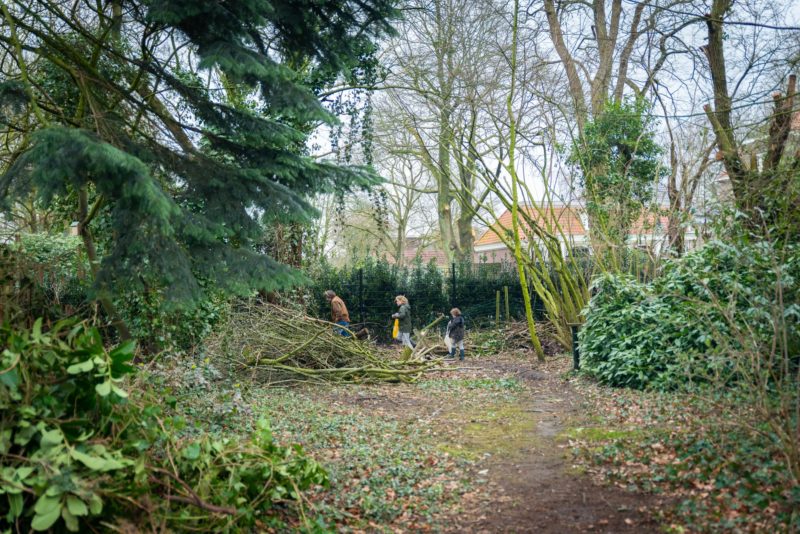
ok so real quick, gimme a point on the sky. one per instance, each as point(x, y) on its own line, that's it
point(685, 86)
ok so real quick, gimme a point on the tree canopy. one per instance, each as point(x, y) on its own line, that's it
point(183, 123)
point(620, 165)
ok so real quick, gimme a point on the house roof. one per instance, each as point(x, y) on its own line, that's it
point(648, 222)
point(426, 255)
point(428, 252)
point(568, 219)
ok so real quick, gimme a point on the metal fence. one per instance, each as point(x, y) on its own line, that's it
point(485, 293)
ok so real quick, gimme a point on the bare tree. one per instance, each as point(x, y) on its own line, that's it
point(444, 67)
point(750, 177)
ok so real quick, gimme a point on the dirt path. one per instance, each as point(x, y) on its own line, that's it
point(531, 487)
point(508, 419)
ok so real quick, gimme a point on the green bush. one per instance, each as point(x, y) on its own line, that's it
point(177, 328)
point(48, 276)
point(689, 322)
point(43, 275)
point(78, 453)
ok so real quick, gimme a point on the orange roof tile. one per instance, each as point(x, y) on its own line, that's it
point(568, 218)
point(648, 222)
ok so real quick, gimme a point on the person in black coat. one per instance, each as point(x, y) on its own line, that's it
point(455, 331)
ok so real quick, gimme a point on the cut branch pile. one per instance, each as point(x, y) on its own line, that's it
point(285, 345)
point(517, 337)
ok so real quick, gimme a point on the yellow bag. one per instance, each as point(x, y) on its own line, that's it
point(396, 329)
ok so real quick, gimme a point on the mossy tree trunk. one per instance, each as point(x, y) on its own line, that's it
point(511, 169)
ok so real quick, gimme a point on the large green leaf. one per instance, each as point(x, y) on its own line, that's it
point(76, 506)
point(78, 368)
point(52, 437)
point(43, 521)
point(119, 358)
point(92, 462)
point(46, 504)
point(70, 520)
point(15, 504)
point(103, 389)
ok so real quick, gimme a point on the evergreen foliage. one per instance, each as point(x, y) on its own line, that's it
point(135, 108)
point(42, 276)
point(620, 165)
point(693, 322)
point(80, 451)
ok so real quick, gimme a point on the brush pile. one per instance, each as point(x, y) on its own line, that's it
point(518, 337)
point(282, 345)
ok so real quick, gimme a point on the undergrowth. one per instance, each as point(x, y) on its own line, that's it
point(724, 469)
point(386, 463)
point(79, 451)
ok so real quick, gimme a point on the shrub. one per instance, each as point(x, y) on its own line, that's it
point(42, 275)
point(692, 321)
point(78, 453)
point(632, 338)
point(159, 326)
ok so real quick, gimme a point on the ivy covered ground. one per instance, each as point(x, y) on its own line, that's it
point(483, 446)
point(494, 444)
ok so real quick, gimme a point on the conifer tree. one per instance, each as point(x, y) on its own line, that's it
point(126, 106)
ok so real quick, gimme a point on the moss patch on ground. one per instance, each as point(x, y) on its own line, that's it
point(598, 434)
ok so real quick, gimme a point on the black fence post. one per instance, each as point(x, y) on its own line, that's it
point(576, 353)
point(361, 307)
point(453, 294)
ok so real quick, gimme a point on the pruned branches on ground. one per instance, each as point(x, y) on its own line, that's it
point(283, 345)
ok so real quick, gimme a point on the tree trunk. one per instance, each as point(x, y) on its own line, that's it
point(444, 197)
point(575, 86)
point(523, 281)
point(91, 252)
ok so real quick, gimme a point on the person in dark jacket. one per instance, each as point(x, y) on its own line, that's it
point(404, 314)
point(455, 331)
